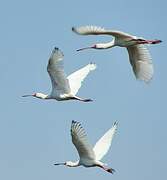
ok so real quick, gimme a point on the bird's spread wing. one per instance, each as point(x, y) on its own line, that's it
point(55, 69)
point(141, 62)
point(95, 30)
point(80, 141)
point(75, 79)
point(103, 144)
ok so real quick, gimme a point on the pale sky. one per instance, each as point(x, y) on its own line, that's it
point(35, 134)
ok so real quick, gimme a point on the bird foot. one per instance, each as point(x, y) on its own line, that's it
point(156, 41)
point(110, 170)
point(150, 41)
point(87, 100)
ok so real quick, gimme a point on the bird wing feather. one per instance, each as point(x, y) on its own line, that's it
point(80, 141)
point(103, 144)
point(55, 69)
point(141, 62)
point(96, 30)
point(75, 79)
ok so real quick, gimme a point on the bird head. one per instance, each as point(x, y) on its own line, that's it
point(95, 46)
point(89, 47)
point(37, 95)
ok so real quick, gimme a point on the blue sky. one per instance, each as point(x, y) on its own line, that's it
point(34, 134)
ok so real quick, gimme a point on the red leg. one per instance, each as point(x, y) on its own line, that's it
point(154, 41)
point(110, 170)
point(150, 42)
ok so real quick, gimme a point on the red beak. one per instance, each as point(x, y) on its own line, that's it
point(90, 47)
point(27, 95)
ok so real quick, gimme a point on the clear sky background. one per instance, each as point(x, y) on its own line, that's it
point(35, 134)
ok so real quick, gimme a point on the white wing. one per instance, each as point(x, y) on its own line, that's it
point(95, 30)
point(103, 144)
point(141, 62)
point(80, 141)
point(55, 69)
point(75, 79)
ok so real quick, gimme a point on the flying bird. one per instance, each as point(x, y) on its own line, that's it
point(64, 88)
point(139, 56)
point(90, 156)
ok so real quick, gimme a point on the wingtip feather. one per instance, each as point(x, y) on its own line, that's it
point(92, 66)
point(115, 123)
point(75, 122)
point(56, 52)
point(87, 29)
point(73, 28)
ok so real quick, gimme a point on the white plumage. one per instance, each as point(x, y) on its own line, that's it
point(103, 144)
point(139, 55)
point(75, 79)
point(89, 156)
point(141, 62)
point(63, 87)
point(81, 143)
point(96, 30)
point(57, 75)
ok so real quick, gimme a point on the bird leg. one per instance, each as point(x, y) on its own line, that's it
point(110, 170)
point(80, 99)
point(86, 100)
point(143, 41)
point(153, 41)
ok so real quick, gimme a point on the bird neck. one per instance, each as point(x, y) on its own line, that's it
point(106, 45)
point(110, 44)
point(72, 164)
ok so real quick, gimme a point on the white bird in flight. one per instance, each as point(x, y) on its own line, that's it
point(64, 88)
point(139, 55)
point(90, 156)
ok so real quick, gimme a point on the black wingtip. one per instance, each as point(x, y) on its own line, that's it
point(76, 122)
point(56, 48)
point(73, 28)
point(115, 123)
